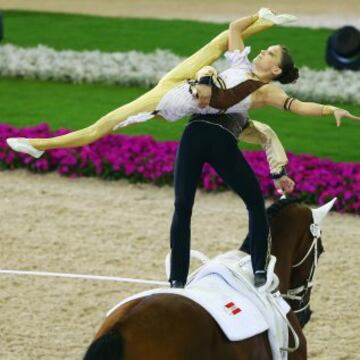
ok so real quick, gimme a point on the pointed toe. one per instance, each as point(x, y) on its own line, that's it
point(23, 145)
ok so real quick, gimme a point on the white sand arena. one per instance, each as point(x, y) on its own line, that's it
point(90, 226)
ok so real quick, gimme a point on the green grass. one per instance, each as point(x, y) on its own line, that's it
point(25, 103)
point(78, 32)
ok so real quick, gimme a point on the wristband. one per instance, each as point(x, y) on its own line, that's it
point(276, 176)
point(205, 80)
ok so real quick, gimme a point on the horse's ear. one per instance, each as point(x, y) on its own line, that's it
point(320, 213)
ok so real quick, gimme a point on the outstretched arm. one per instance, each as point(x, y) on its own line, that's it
point(277, 97)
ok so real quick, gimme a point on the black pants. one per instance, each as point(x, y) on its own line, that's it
point(202, 142)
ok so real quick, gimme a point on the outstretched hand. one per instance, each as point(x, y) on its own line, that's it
point(340, 113)
point(284, 185)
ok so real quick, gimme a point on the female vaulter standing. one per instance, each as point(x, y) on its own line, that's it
point(155, 100)
point(172, 100)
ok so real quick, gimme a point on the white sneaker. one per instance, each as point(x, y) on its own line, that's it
point(280, 19)
point(23, 145)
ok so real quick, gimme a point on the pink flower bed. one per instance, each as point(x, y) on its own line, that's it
point(142, 159)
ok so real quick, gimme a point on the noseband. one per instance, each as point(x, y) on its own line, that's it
point(299, 294)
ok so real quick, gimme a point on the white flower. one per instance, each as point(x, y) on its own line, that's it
point(135, 68)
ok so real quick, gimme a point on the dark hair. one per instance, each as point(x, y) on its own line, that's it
point(289, 73)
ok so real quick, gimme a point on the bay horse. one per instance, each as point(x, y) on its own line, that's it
point(172, 327)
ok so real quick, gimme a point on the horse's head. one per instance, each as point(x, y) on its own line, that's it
point(297, 245)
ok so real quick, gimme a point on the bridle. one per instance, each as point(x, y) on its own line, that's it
point(300, 293)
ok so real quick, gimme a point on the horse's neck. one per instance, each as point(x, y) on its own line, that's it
point(283, 270)
point(288, 244)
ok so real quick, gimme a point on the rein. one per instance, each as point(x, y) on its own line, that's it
point(299, 293)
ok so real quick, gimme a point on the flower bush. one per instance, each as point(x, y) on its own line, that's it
point(142, 159)
point(135, 68)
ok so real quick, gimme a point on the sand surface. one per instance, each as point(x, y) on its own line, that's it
point(51, 223)
point(319, 13)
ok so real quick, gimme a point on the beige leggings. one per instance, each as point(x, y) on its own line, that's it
point(149, 101)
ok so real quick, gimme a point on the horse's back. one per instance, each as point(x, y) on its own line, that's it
point(169, 326)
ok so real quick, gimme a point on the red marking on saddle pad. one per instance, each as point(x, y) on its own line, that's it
point(232, 308)
point(229, 305)
point(236, 311)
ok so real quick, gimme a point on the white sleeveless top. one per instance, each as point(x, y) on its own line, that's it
point(179, 102)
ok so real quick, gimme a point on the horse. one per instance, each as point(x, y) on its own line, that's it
point(170, 326)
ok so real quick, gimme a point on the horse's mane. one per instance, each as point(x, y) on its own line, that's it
point(274, 208)
point(271, 212)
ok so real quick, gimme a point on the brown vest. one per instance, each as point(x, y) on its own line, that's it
point(235, 123)
point(223, 99)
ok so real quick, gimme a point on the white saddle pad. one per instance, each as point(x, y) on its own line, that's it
point(240, 310)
